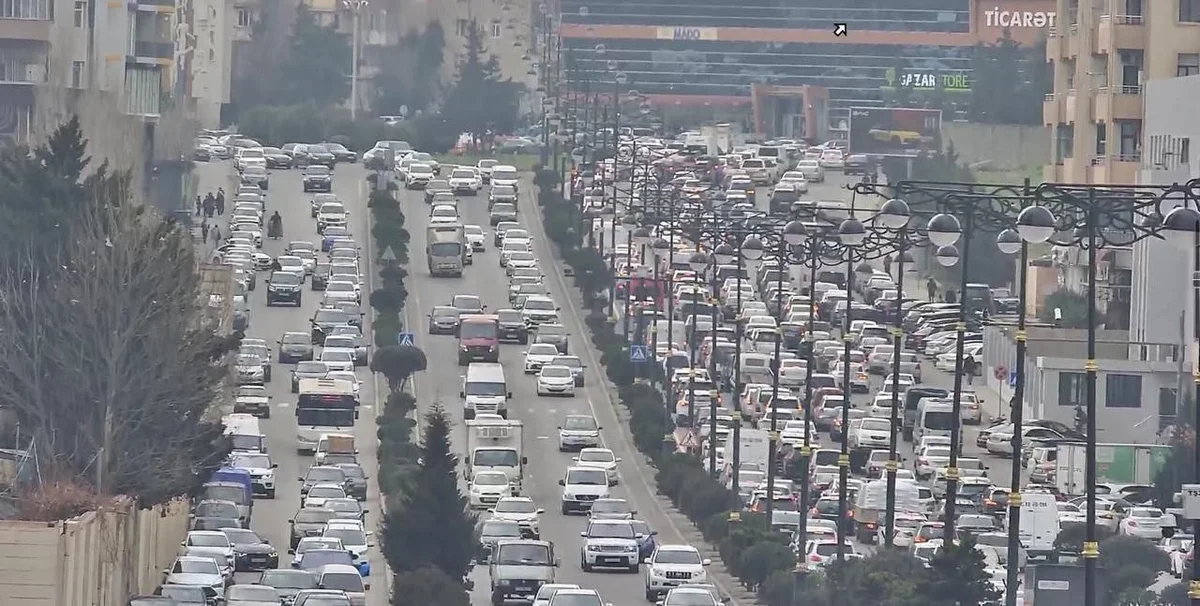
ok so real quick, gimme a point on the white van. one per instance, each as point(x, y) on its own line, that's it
point(1040, 523)
point(485, 390)
point(244, 432)
point(934, 418)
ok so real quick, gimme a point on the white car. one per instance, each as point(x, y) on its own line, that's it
point(262, 470)
point(1070, 513)
point(251, 229)
point(504, 174)
point(671, 566)
point(539, 310)
point(578, 432)
point(555, 380)
point(487, 488)
point(354, 538)
point(930, 459)
point(443, 213)
point(581, 487)
point(906, 529)
point(521, 510)
point(609, 543)
point(197, 571)
point(331, 213)
point(465, 181)
point(547, 591)
point(419, 175)
point(476, 237)
point(1143, 522)
point(1177, 548)
point(338, 359)
point(319, 493)
point(538, 355)
point(812, 170)
point(832, 159)
point(310, 543)
point(340, 290)
point(599, 458)
point(211, 544)
point(823, 551)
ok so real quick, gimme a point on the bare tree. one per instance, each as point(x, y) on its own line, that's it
point(107, 359)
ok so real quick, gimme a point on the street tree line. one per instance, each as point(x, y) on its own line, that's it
point(301, 95)
point(107, 361)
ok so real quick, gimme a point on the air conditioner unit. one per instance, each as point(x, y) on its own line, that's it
point(1102, 271)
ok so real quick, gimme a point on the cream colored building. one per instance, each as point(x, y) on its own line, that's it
point(1103, 52)
point(508, 27)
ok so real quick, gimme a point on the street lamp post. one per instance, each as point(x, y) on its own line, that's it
point(355, 7)
point(851, 233)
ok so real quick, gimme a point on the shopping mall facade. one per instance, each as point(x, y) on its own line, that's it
point(781, 70)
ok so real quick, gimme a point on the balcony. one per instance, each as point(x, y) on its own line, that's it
point(1076, 107)
point(1053, 44)
point(30, 30)
point(21, 72)
point(243, 33)
point(1072, 42)
point(1116, 169)
point(1119, 103)
point(1052, 108)
point(154, 49)
point(1115, 32)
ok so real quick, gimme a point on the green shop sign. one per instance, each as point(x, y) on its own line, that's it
point(926, 81)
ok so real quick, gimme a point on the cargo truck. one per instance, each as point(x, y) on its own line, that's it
point(496, 445)
point(870, 506)
point(445, 249)
point(1116, 464)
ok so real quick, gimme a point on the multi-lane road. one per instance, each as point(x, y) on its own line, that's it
point(270, 517)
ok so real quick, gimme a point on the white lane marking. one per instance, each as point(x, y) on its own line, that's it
point(543, 437)
point(283, 405)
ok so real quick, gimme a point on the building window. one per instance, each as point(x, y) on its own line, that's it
point(243, 17)
point(1185, 151)
point(1065, 141)
point(1122, 391)
point(1133, 8)
point(1072, 388)
point(81, 7)
point(37, 10)
point(1189, 11)
point(462, 26)
point(1101, 137)
point(77, 74)
point(1131, 138)
point(495, 30)
point(1188, 64)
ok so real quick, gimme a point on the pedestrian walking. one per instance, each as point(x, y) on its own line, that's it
point(199, 205)
point(216, 234)
point(887, 264)
point(932, 287)
point(220, 200)
point(204, 230)
point(969, 370)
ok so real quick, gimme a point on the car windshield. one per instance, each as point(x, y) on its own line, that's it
point(196, 566)
point(313, 516)
point(336, 355)
point(520, 554)
point(326, 542)
point(317, 170)
point(349, 536)
point(504, 174)
point(676, 556)
point(491, 479)
point(503, 190)
point(610, 531)
point(242, 536)
point(610, 506)
point(288, 579)
point(556, 372)
point(326, 492)
point(348, 581)
point(312, 367)
point(467, 302)
point(587, 477)
point(462, 174)
point(503, 208)
point(568, 361)
point(496, 528)
point(680, 597)
point(580, 423)
point(339, 287)
point(248, 360)
point(208, 540)
point(252, 593)
point(251, 461)
point(542, 349)
point(285, 278)
point(332, 208)
point(332, 316)
point(515, 506)
point(538, 304)
point(596, 456)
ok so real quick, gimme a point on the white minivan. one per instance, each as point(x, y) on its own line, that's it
point(485, 390)
point(934, 418)
point(343, 577)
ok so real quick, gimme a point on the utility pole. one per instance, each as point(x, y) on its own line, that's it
point(355, 7)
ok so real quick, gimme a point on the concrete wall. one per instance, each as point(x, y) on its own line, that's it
point(100, 558)
point(1115, 424)
point(1001, 146)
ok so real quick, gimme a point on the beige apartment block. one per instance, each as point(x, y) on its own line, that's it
point(508, 30)
point(1103, 53)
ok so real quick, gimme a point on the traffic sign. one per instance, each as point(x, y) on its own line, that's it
point(1012, 378)
point(405, 338)
point(638, 353)
point(388, 256)
point(1190, 494)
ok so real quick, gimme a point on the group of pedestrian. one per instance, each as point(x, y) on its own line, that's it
point(211, 204)
point(206, 230)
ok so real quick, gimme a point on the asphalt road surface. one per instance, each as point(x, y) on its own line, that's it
point(270, 517)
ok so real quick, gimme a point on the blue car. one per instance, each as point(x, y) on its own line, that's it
point(645, 538)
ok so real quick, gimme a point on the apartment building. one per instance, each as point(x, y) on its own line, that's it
point(41, 42)
point(1103, 53)
point(511, 31)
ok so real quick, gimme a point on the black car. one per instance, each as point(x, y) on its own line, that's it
point(859, 164)
point(295, 347)
point(434, 187)
point(324, 321)
point(318, 178)
point(250, 552)
point(319, 154)
point(356, 480)
point(285, 287)
point(276, 158)
point(340, 153)
point(512, 327)
point(189, 595)
point(491, 532)
point(320, 276)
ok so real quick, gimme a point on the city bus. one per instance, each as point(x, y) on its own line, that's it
point(324, 406)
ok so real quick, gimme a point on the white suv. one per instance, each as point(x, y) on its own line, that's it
point(609, 543)
point(672, 566)
point(581, 487)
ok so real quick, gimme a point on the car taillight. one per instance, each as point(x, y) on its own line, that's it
point(1132, 523)
point(814, 557)
point(919, 539)
point(922, 461)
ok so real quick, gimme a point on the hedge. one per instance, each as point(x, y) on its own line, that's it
point(308, 122)
point(750, 550)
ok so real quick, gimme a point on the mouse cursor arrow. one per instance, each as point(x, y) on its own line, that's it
point(839, 29)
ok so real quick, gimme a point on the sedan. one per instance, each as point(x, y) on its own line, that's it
point(538, 355)
point(1143, 522)
point(599, 458)
point(555, 380)
point(295, 347)
point(318, 494)
point(575, 364)
point(251, 552)
point(196, 571)
point(611, 509)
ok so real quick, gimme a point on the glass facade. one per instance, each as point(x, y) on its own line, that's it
point(871, 15)
point(854, 74)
